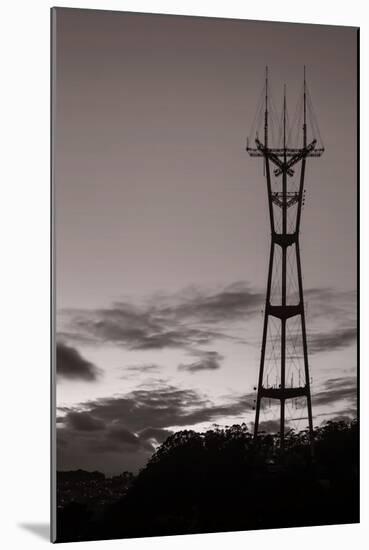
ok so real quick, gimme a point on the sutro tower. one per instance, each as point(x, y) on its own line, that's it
point(284, 379)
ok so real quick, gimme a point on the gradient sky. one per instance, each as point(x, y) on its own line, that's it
point(162, 233)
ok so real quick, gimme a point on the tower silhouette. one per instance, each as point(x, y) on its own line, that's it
point(284, 367)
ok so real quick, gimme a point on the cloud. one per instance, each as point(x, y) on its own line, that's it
point(146, 368)
point(335, 339)
point(329, 303)
point(184, 320)
point(163, 406)
point(134, 330)
point(84, 421)
point(337, 389)
point(233, 302)
point(332, 319)
point(122, 435)
point(340, 418)
point(70, 364)
point(208, 360)
point(349, 412)
point(127, 428)
point(132, 372)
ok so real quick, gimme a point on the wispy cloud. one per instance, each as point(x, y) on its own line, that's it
point(138, 330)
point(234, 301)
point(335, 390)
point(336, 338)
point(329, 303)
point(145, 368)
point(207, 360)
point(185, 320)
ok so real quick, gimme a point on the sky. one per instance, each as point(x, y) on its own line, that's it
point(162, 229)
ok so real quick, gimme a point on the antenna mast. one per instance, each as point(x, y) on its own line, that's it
point(304, 126)
point(266, 108)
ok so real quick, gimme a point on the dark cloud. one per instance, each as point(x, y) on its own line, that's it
point(139, 330)
point(101, 451)
point(122, 435)
point(332, 308)
point(84, 421)
point(207, 360)
point(329, 341)
point(182, 321)
point(132, 425)
point(162, 407)
point(337, 389)
point(349, 412)
point(70, 364)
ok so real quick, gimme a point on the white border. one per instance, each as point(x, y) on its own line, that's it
point(24, 305)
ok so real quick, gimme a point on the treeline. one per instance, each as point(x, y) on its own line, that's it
point(66, 476)
point(78, 475)
point(220, 480)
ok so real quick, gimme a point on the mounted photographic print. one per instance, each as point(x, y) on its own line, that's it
point(205, 188)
